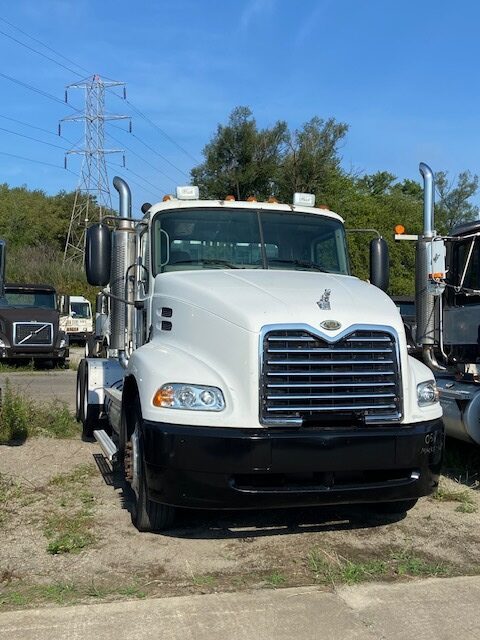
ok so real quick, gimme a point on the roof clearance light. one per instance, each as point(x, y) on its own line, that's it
point(166, 198)
point(251, 199)
point(399, 229)
point(230, 198)
point(188, 193)
point(272, 200)
point(304, 199)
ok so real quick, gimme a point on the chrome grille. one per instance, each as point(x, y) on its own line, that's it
point(33, 334)
point(304, 377)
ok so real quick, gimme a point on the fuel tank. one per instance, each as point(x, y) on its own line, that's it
point(461, 408)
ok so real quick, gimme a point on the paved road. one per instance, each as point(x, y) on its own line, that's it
point(43, 386)
point(438, 609)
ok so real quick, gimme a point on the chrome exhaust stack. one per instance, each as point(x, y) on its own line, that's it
point(121, 282)
point(427, 331)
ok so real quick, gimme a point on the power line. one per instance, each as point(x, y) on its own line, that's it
point(155, 125)
point(45, 45)
point(22, 135)
point(32, 126)
point(160, 155)
point(140, 186)
point(157, 153)
point(36, 90)
point(143, 160)
point(44, 55)
point(47, 164)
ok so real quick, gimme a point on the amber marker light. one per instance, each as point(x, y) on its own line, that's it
point(251, 199)
point(166, 198)
point(164, 397)
point(230, 198)
point(399, 229)
point(272, 200)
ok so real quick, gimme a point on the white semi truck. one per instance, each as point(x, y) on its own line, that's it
point(447, 307)
point(246, 368)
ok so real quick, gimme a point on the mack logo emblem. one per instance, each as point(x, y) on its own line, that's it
point(330, 325)
point(324, 302)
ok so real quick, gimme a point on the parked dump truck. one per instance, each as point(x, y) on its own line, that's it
point(247, 368)
point(447, 308)
point(78, 321)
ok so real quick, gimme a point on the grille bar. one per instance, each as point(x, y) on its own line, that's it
point(352, 350)
point(328, 362)
point(327, 385)
point(336, 408)
point(32, 334)
point(304, 375)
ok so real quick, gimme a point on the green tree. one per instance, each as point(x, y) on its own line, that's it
point(453, 205)
point(241, 159)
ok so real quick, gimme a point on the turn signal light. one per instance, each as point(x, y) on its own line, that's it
point(164, 397)
point(399, 229)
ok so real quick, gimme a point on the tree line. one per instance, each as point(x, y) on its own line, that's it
point(244, 160)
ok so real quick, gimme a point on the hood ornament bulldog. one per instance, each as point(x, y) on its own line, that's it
point(324, 302)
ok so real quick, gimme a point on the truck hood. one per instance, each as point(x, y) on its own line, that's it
point(254, 298)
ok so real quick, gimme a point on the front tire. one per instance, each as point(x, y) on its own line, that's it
point(146, 514)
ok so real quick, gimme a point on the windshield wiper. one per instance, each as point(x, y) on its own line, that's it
point(224, 263)
point(300, 263)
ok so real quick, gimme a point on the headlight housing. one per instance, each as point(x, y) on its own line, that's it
point(427, 393)
point(64, 341)
point(193, 397)
point(2, 344)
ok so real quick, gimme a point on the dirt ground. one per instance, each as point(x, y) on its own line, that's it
point(44, 481)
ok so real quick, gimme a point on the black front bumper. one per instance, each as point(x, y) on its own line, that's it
point(229, 468)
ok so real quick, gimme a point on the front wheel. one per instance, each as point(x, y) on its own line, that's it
point(146, 514)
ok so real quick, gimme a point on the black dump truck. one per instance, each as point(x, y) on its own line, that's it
point(29, 325)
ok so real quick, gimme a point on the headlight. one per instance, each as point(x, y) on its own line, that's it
point(427, 393)
point(64, 342)
point(188, 396)
point(2, 344)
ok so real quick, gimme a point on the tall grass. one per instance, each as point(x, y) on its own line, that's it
point(21, 418)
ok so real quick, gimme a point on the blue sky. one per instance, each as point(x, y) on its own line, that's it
point(403, 74)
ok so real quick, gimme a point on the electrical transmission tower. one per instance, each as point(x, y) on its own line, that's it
point(92, 196)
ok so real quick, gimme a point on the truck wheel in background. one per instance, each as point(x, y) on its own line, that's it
point(401, 506)
point(146, 514)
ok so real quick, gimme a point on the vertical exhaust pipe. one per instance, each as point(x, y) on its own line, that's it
point(125, 197)
point(424, 300)
point(428, 199)
point(3, 252)
point(123, 257)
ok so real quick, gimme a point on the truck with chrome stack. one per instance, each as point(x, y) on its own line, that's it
point(247, 368)
point(447, 301)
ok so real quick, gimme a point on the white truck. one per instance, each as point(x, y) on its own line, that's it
point(77, 322)
point(246, 368)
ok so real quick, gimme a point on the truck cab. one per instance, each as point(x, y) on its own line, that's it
point(29, 324)
point(248, 368)
point(78, 321)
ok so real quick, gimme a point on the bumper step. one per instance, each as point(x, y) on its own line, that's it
point(106, 444)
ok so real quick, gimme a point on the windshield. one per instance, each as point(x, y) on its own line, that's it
point(80, 309)
point(21, 298)
point(246, 239)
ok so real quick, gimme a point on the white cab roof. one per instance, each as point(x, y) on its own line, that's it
point(173, 204)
